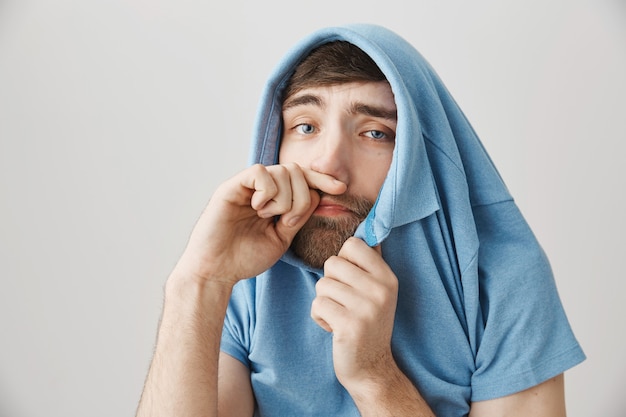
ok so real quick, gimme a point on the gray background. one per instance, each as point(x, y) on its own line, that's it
point(119, 118)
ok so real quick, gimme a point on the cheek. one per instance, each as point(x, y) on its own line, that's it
point(289, 153)
point(372, 175)
point(284, 154)
point(379, 165)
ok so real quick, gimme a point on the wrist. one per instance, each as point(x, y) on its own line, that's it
point(388, 392)
point(187, 291)
point(374, 384)
point(193, 268)
point(185, 283)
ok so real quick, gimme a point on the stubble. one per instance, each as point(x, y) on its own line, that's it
point(322, 237)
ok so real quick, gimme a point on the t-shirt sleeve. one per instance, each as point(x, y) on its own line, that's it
point(526, 337)
point(239, 322)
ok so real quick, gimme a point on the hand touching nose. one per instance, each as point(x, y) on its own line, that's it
point(238, 236)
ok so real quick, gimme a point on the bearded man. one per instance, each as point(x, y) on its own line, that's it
point(370, 262)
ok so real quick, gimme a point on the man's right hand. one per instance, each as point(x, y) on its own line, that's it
point(237, 236)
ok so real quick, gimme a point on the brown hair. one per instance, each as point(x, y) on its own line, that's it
point(333, 63)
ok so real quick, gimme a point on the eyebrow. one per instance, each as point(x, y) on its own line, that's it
point(355, 108)
point(374, 111)
point(304, 100)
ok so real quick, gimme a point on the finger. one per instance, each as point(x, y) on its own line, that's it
point(258, 180)
point(325, 312)
point(281, 201)
point(343, 270)
point(301, 196)
point(349, 285)
point(359, 253)
point(336, 290)
point(322, 323)
point(324, 182)
point(287, 229)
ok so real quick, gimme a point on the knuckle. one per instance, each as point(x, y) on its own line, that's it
point(370, 312)
point(279, 171)
point(292, 167)
point(394, 285)
point(279, 208)
point(351, 243)
point(316, 305)
point(381, 295)
point(378, 297)
point(258, 170)
point(330, 262)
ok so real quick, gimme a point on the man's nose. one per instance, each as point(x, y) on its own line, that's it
point(332, 156)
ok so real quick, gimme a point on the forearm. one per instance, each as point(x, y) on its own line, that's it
point(182, 379)
point(390, 394)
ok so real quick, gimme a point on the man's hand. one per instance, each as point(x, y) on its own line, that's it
point(237, 235)
point(356, 301)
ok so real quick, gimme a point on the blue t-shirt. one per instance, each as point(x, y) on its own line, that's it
point(522, 338)
point(478, 315)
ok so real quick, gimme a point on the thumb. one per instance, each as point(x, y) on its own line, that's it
point(288, 231)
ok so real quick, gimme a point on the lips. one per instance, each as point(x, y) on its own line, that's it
point(329, 207)
point(343, 205)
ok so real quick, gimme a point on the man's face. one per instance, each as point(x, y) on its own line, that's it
point(346, 131)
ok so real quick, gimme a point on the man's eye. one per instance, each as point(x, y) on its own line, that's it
point(375, 134)
point(305, 129)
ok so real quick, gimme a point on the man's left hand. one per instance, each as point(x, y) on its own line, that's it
point(356, 301)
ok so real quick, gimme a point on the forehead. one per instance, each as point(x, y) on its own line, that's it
point(376, 93)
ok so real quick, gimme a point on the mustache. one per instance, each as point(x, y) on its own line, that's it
point(357, 204)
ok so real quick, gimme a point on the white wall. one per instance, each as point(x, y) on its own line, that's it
point(118, 118)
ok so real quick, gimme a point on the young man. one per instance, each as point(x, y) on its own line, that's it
point(442, 304)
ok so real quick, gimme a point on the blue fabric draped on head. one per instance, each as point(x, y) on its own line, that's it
point(437, 153)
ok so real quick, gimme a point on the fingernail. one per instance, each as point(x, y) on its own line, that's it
point(293, 221)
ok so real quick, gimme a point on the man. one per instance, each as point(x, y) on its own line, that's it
point(441, 304)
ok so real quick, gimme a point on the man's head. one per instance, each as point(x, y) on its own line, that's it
point(339, 118)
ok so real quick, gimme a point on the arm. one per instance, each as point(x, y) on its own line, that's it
point(235, 238)
point(182, 379)
point(356, 301)
point(390, 394)
point(544, 400)
point(234, 387)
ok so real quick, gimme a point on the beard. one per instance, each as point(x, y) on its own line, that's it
point(322, 237)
